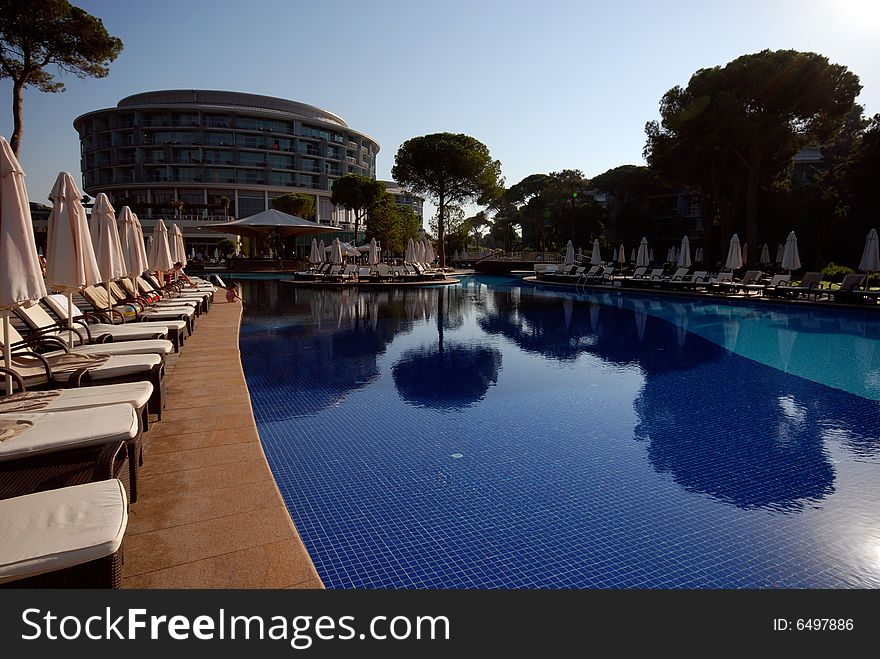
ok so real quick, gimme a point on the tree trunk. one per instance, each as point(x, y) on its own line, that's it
point(441, 221)
point(357, 224)
point(17, 129)
point(751, 217)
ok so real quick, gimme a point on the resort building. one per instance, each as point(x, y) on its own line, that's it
point(404, 198)
point(198, 156)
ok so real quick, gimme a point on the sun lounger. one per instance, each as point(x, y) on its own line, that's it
point(774, 283)
point(136, 394)
point(135, 311)
point(809, 285)
point(64, 538)
point(151, 299)
point(61, 369)
point(59, 343)
point(733, 286)
point(41, 442)
point(850, 291)
point(173, 330)
point(202, 293)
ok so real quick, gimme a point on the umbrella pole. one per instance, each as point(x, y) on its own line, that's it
point(109, 301)
point(7, 351)
point(70, 319)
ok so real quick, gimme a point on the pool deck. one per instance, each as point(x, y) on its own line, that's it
point(209, 514)
point(619, 287)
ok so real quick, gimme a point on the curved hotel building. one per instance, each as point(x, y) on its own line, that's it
point(196, 156)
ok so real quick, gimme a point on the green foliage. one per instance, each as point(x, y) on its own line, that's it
point(40, 33)
point(392, 225)
point(630, 188)
point(551, 209)
point(734, 130)
point(357, 193)
point(450, 169)
point(835, 273)
point(297, 204)
point(226, 247)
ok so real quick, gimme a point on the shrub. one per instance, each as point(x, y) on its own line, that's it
point(835, 273)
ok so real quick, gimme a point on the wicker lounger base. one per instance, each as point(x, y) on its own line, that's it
point(102, 573)
point(51, 471)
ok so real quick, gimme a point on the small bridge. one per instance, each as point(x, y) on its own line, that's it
point(507, 262)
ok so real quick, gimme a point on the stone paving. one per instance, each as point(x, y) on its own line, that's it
point(209, 514)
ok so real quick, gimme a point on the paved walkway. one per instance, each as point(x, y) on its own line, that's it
point(209, 514)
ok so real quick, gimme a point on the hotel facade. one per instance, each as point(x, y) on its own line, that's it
point(199, 156)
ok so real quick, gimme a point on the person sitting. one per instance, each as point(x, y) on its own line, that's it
point(178, 268)
point(232, 293)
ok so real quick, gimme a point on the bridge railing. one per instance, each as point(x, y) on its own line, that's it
point(530, 256)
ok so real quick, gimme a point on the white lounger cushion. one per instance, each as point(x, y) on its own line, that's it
point(136, 394)
point(58, 303)
point(59, 529)
point(119, 366)
point(140, 347)
point(169, 312)
point(60, 431)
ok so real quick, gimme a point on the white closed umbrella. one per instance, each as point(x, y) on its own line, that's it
point(105, 240)
point(409, 256)
point(216, 253)
point(322, 250)
point(632, 254)
point(314, 255)
point(132, 245)
point(21, 277)
point(791, 260)
point(765, 255)
point(176, 245)
point(734, 255)
point(651, 255)
point(374, 252)
point(643, 256)
point(336, 252)
point(684, 254)
point(621, 255)
point(70, 257)
point(160, 250)
point(429, 252)
point(870, 255)
point(569, 253)
point(780, 251)
point(698, 255)
point(596, 256)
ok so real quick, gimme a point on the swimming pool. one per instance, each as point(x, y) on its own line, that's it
point(497, 435)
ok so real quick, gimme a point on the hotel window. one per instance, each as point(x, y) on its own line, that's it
point(281, 144)
point(253, 159)
point(250, 176)
point(220, 175)
point(280, 162)
point(219, 139)
point(216, 121)
point(309, 165)
point(213, 157)
point(250, 203)
point(280, 178)
point(251, 141)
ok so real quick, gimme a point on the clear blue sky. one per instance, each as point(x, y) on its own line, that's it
point(545, 85)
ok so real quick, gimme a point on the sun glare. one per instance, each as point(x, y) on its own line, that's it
point(863, 14)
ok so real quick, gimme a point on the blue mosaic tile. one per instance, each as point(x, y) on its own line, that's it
point(495, 435)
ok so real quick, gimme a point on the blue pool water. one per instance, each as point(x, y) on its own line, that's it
point(497, 435)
